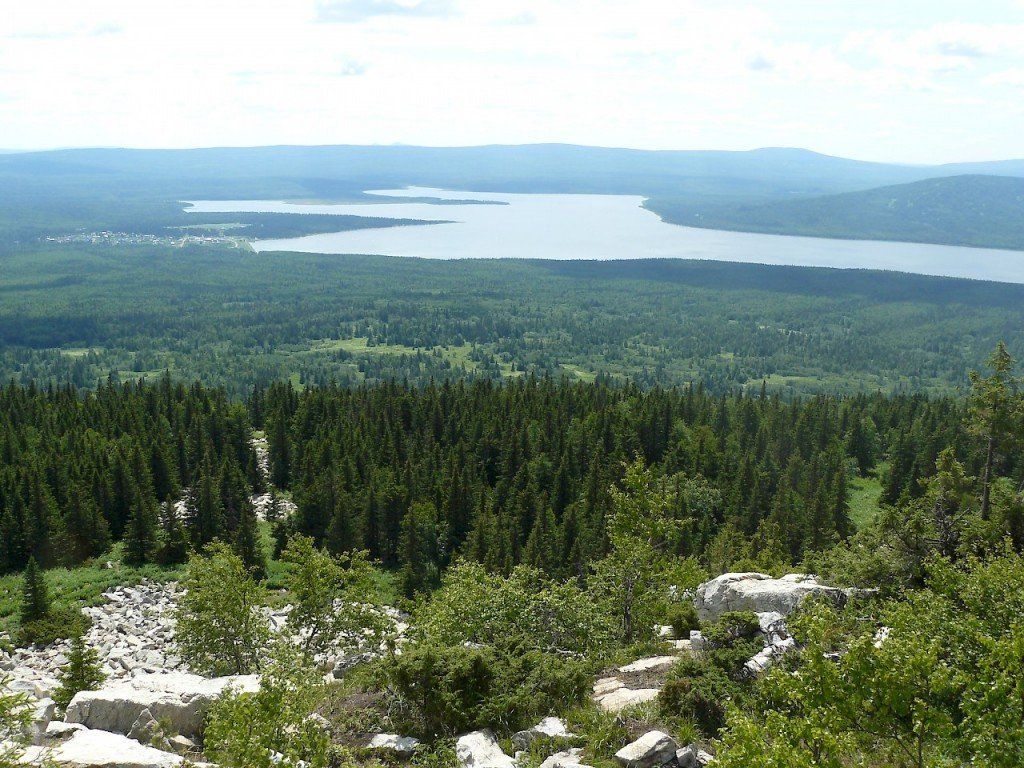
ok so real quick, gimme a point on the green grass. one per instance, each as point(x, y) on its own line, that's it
point(82, 586)
point(864, 495)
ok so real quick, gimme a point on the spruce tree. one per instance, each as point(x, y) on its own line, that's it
point(248, 544)
point(35, 600)
point(82, 672)
point(140, 536)
point(173, 549)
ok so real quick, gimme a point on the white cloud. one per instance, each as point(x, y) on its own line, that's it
point(352, 11)
point(649, 73)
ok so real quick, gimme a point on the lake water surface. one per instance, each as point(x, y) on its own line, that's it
point(535, 226)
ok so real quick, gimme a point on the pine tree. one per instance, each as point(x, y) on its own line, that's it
point(248, 544)
point(992, 415)
point(279, 451)
point(82, 672)
point(140, 536)
point(206, 516)
point(35, 600)
point(173, 549)
point(84, 531)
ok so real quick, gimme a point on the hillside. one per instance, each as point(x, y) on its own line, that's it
point(976, 210)
point(528, 167)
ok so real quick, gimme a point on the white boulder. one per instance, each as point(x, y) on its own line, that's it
point(652, 749)
point(623, 698)
point(178, 699)
point(479, 749)
point(570, 758)
point(760, 593)
point(403, 746)
point(550, 727)
point(653, 663)
point(99, 749)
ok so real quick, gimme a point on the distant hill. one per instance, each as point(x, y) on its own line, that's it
point(773, 189)
point(985, 211)
point(768, 172)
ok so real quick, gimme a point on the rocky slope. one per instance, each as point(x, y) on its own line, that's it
point(150, 711)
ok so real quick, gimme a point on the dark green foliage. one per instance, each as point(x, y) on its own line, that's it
point(417, 476)
point(448, 690)
point(173, 549)
point(35, 601)
point(59, 624)
point(979, 210)
point(80, 470)
point(81, 673)
point(731, 628)
point(140, 536)
point(701, 687)
point(248, 544)
point(682, 617)
point(698, 691)
point(316, 318)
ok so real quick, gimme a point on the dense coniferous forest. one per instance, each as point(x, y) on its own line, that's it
point(233, 318)
point(501, 473)
point(982, 211)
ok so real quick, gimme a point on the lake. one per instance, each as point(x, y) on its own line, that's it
point(538, 226)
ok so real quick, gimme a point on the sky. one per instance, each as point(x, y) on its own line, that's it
point(919, 81)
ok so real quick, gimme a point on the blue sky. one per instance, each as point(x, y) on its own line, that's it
point(904, 80)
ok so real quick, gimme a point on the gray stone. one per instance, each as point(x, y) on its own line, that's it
point(182, 745)
point(178, 699)
point(479, 749)
point(652, 749)
point(649, 664)
point(621, 698)
point(550, 727)
point(58, 729)
point(687, 757)
point(403, 746)
point(760, 593)
point(100, 749)
point(570, 758)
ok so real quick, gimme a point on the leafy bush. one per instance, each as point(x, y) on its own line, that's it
point(682, 617)
point(475, 606)
point(273, 726)
point(221, 628)
point(330, 599)
point(440, 690)
point(700, 688)
point(731, 627)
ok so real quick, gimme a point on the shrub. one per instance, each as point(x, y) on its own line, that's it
point(272, 727)
point(698, 690)
point(58, 624)
point(221, 628)
point(331, 599)
point(447, 690)
point(475, 606)
point(683, 618)
point(732, 626)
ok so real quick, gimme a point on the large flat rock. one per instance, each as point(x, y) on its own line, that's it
point(99, 749)
point(760, 593)
point(180, 700)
